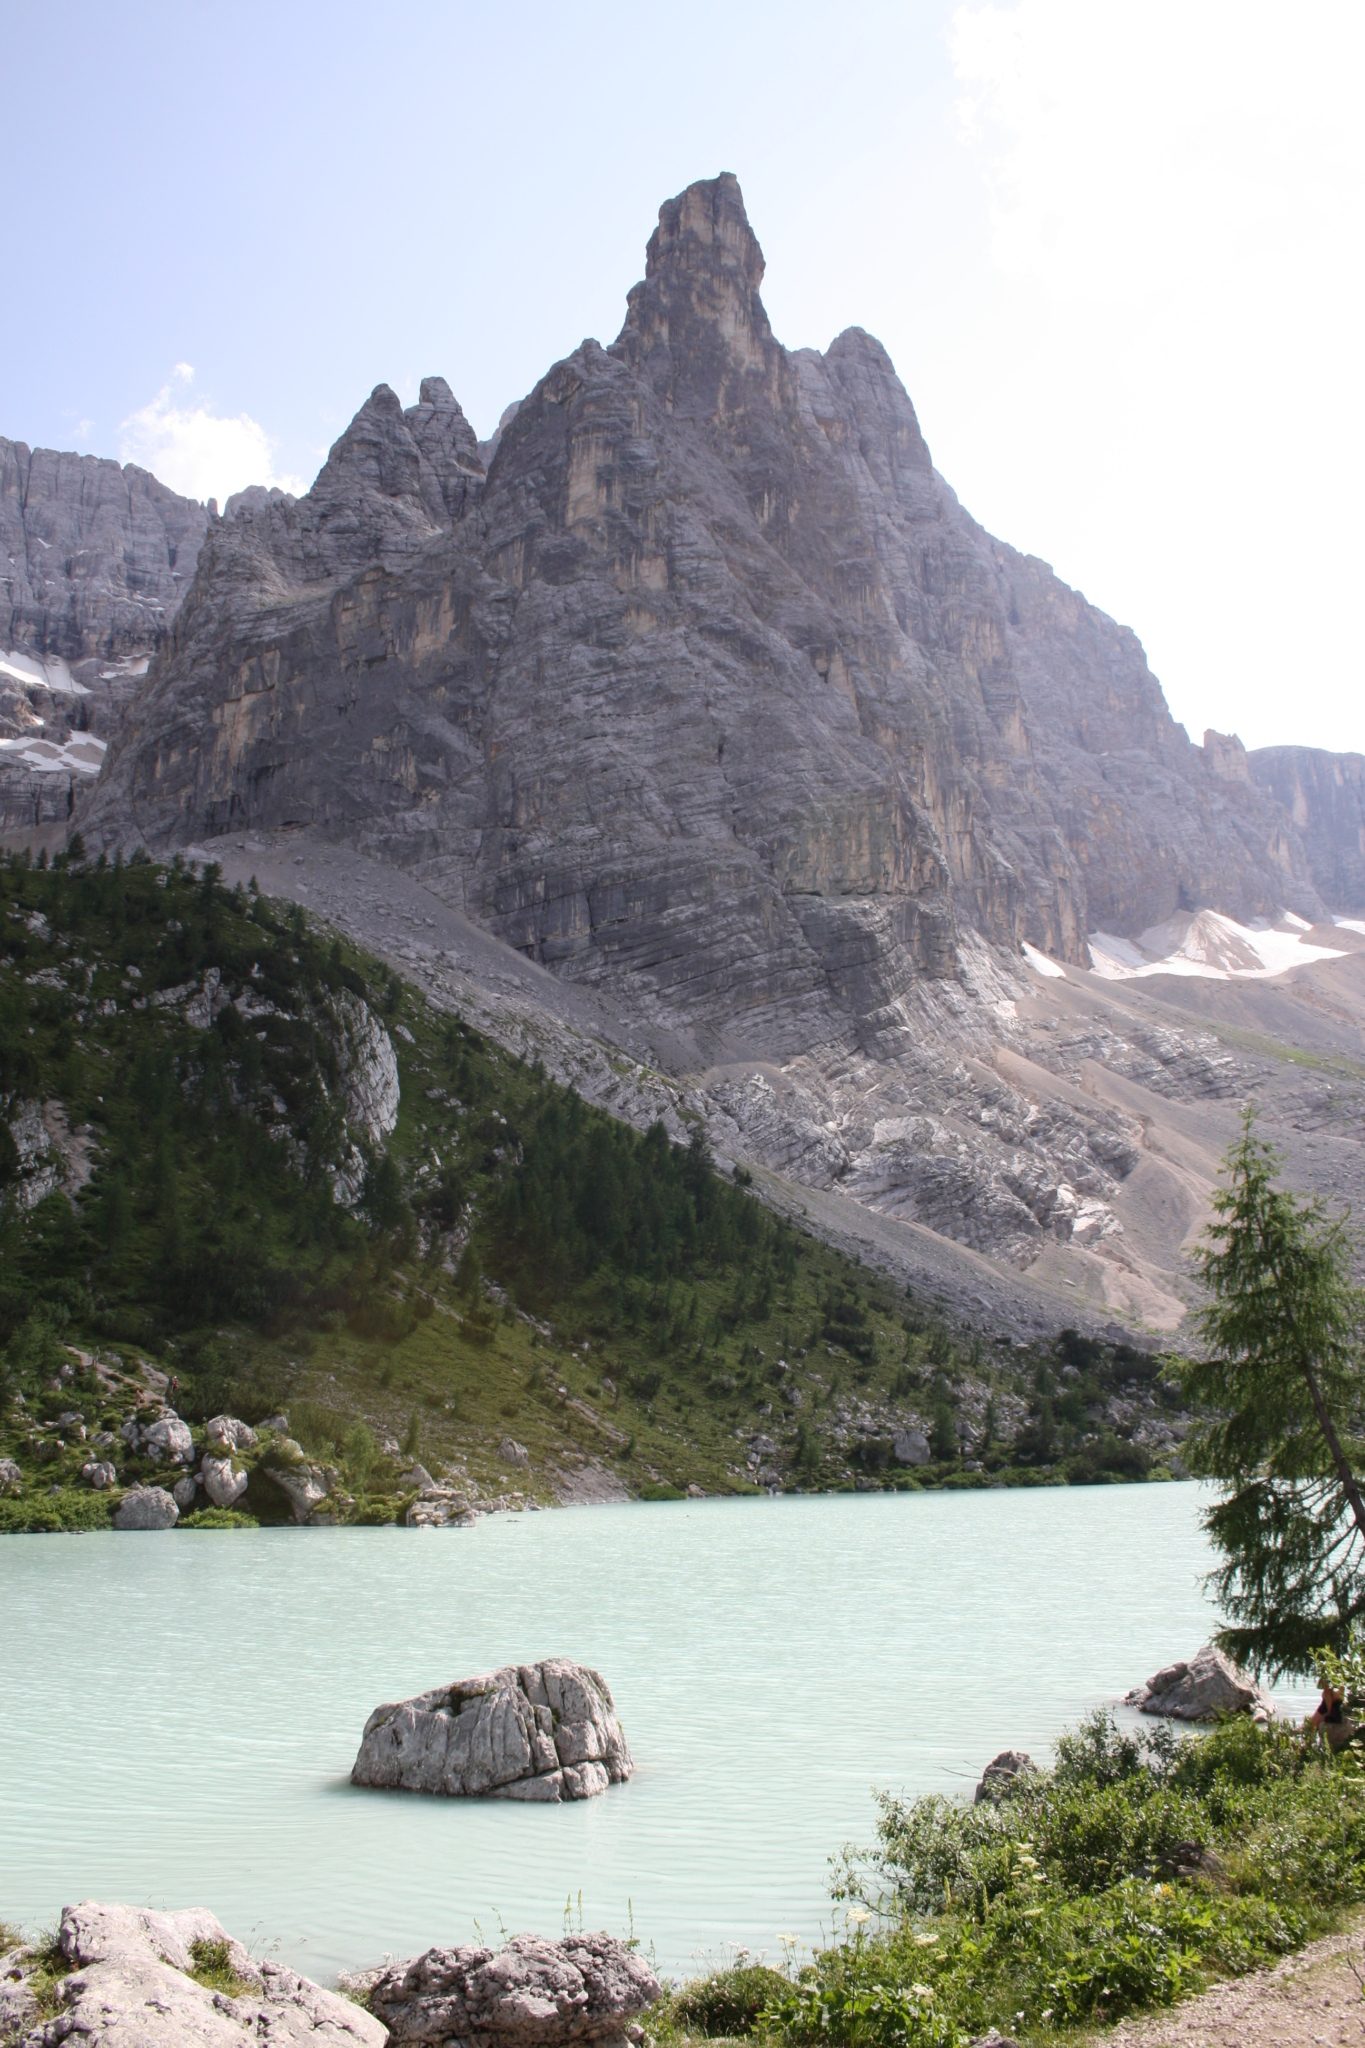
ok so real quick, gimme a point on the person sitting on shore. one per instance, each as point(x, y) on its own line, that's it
point(1328, 1719)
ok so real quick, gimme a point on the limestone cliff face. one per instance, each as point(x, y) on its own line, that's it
point(1324, 795)
point(94, 561)
point(707, 688)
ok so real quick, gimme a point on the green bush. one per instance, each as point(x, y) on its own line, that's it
point(217, 1518)
point(65, 1509)
point(730, 2002)
point(1141, 1866)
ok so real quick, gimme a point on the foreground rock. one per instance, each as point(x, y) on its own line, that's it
point(1209, 1685)
point(531, 1994)
point(543, 1731)
point(1001, 1774)
point(132, 1986)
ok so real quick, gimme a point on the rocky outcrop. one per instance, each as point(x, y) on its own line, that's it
point(531, 1994)
point(1324, 794)
point(11, 1477)
point(1208, 1686)
point(1001, 1775)
point(146, 1507)
point(131, 1984)
point(543, 1731)
point(94, 560)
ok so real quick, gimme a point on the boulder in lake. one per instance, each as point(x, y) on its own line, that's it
point(543, 1731)
point(131, 1985)
point(146, 1507)
point(1203, 1689)
point(533, 1993)
point(1002, 1774)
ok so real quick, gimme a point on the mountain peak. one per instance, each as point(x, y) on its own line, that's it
point(706, 229)
point(696, 321)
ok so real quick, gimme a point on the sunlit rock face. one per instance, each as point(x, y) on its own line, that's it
point(709, 688)
point(1324, 794)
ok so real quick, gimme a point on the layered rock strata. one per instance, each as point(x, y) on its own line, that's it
point(94, 561)
point(544, 1731)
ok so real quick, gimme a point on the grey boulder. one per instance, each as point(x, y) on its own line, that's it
point(146, 1507)
point(531, 1994)
point(226, 1433)
point(544, 1731)
point(11, 1478)
point(222, 1481)
point(99, 1473)
point(167, 1441)
point(1208, 1686)
point(131, 1986)
point(184, 1491)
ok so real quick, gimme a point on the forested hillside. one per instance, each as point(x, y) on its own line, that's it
point(237, 1152)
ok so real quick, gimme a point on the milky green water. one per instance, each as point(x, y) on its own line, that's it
point(178, 1713)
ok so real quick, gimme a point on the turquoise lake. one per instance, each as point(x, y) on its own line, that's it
point(178, 1713)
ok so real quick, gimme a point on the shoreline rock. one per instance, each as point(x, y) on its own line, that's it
point(131, 1984)
point(546, 1731)
point(533, 1993)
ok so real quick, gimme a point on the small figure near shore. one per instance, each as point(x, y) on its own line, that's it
point(1328, 1719)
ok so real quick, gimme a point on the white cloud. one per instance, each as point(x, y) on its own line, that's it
point(1175, 190)
point(198, 452)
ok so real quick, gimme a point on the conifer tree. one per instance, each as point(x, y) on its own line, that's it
point(1280, 1392)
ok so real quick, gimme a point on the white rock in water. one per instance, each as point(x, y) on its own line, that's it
point(1208, 1685)
point(131, 1987)
point(543, 1731)
point(146, 1507)
point(533, 1993)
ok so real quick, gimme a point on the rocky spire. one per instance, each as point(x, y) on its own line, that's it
point(696, 321)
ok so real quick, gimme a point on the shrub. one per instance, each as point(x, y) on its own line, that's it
point(66, 1509)
point(732, 2001)
point(217, 1518)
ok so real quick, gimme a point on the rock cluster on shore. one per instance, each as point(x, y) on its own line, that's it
point(140, 1979)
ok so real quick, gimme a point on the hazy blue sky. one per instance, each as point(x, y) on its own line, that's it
point(1112, 245)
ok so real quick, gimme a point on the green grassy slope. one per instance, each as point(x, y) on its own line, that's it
point(187, 1186)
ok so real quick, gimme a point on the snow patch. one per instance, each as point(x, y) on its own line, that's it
point(82, 754)
point(1041, 964)
point(1350, 924)
point(1205, 943)
point(42, 672)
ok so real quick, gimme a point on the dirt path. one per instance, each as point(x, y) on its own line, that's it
point(1311, 2000)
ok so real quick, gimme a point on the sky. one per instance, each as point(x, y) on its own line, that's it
point(1113, 247)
